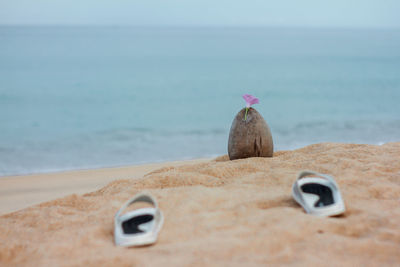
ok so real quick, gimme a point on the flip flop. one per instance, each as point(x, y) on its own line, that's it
point(318, 194)
point(139, 227)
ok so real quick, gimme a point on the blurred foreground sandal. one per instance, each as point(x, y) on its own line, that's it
point(318, 194)
point(139, 227)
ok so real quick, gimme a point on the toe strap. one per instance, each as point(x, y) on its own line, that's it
point(142, 197)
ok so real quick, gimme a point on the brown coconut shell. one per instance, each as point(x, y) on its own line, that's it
point(251, 137)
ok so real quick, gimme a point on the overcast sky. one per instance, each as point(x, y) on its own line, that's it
point(314, 13)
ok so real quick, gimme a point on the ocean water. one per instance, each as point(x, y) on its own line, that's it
point(88, 97)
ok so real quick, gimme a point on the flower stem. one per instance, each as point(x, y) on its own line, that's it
point(245, 115)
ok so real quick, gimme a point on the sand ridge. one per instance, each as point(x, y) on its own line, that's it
point(225, 212)
point(18, 192)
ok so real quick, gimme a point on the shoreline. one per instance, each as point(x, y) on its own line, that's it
point(21, 191)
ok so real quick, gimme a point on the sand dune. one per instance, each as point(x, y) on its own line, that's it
point(226, 213)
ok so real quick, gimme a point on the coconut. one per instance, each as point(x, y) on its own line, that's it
point(251, 137)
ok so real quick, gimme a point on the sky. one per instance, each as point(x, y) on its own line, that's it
point(300, 13)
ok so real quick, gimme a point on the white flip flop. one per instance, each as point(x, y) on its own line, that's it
point(318, 194)
point(139, 227)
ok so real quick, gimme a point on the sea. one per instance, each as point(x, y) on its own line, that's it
point(81, 97)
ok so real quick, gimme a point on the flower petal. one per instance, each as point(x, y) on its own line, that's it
point(250, 100)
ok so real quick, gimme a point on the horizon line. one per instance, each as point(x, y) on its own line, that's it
point(331, 27)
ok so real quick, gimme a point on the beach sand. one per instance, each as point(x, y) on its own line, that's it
point(223, 213)
point(17, 192)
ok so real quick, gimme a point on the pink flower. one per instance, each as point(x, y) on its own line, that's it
point(250, 100)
